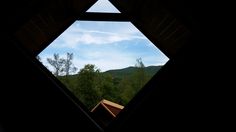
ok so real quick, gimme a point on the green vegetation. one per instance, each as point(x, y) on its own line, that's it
point(91, 85)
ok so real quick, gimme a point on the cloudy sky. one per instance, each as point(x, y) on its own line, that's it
point(108, 45)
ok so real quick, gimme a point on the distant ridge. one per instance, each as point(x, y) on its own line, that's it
point(150, 71)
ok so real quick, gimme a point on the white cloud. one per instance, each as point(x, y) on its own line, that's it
point(106, 61)
point(75, 35)
point(112, 59)
point(154, 60)
point(109, 60)
point(84, 38)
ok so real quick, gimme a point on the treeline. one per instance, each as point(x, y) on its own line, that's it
point(90, 85)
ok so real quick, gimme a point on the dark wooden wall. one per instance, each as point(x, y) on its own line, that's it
point(178, 98)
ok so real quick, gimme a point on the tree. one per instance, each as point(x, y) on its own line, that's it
point(131, 84)
point(127, 91)
point(68, 65)
point(139, 63)
point(140, 77)
point(107, 88)
point(57, 64)
point(88, 90)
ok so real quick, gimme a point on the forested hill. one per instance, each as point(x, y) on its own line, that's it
point(150, 71)
point(120, 85)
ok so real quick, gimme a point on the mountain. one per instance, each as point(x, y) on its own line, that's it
point(120, 73)
point(118, 85)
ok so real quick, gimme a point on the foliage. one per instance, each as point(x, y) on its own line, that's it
point(139, 77)
point(90, 85)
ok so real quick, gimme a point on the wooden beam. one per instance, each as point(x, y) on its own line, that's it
point(92, 16)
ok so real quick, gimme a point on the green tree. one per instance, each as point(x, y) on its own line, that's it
point(88, 90)
point(130, 85)
point(140, 76)
point(57, 63)
point(107, 88)
point(126, 90)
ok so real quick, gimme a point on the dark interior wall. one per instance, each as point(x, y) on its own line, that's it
point(46, 25)
point(180, 97)
point(29, 99)
point(175, 99)
point(158, 23)
point(36, 23)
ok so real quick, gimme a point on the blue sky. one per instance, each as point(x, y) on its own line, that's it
point(103, 6)
point(108, 45)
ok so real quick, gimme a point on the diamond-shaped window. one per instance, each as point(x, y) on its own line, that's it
point(104, 64)
point(114, 61)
